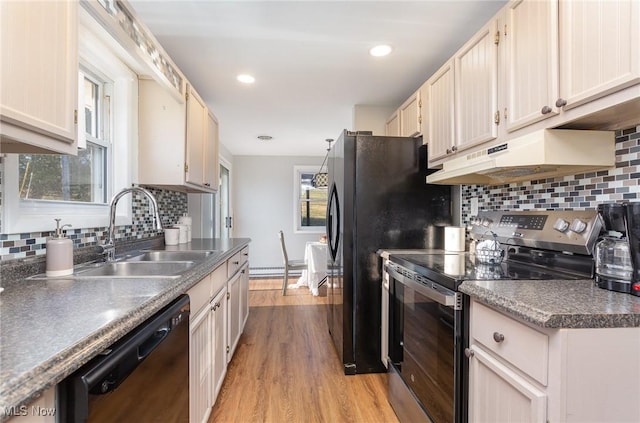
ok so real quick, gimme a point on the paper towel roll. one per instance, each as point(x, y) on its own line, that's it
point(454, 238)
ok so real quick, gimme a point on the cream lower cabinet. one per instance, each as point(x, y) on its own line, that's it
point(38, 76)
point(238, 298)
point(522, 373)
point(200, 366)
point(217, 305)
point(219, 341)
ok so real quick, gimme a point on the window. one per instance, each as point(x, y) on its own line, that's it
point(80, 178)
point(310, 201)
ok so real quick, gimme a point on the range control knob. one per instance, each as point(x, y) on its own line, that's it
point(486, 222)
point(578, 226)
point(561, 225)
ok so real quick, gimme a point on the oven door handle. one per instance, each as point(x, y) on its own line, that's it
point(440, 295)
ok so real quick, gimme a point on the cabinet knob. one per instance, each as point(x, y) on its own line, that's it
point(454, 148)
point(468, 352)
point(561, 102)
point(546, 110)
point(448, 151)
point(498, 337)
point(235, 262)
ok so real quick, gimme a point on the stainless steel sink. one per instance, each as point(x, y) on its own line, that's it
point(135, 269)
point(170, 256)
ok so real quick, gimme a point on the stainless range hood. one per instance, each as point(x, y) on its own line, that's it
point(542, 154)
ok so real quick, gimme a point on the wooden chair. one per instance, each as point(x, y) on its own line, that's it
point(288, 264)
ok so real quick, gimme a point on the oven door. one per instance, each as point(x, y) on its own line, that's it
point(424, 348)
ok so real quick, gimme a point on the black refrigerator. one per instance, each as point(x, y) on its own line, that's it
point(378, 199)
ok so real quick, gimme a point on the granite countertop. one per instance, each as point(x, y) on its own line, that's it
point(557, 303)
point(51, 327)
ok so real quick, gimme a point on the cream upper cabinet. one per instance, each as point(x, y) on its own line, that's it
point(441, 107)
point(599, 49)
point(476, 88)
point(173, 139)
point(197, 137)
point(392, 126)
point(524, 373)
point(211, 157)
point(528, 32)
point(38, 76)
point(410, 116)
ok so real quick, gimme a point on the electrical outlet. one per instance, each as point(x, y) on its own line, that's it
point(474, 206)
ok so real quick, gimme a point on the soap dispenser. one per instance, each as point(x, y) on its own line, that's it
point(59, 253)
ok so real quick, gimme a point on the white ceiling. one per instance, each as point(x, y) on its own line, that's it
point(310, 60)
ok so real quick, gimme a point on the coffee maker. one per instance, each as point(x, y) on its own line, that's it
point(617, 254)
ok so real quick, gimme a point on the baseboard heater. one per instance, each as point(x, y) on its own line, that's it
point(261, 272)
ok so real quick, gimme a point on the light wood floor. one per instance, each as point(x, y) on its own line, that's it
point(285, 368)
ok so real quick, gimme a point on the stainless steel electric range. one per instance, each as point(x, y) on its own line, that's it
point(428, 317)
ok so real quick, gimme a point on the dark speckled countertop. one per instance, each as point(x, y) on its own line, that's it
point(558, 303)
point(49, 328)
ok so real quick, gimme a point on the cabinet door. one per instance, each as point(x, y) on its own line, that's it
point(244, 296)
point(39, 75)
point(211, 160)
point(599, 48)
point(498, 394)
point(219, 341)
point(410, 118)
point(233, 313)
point(441, 112)
point(196, 137)
point(200, 366)
point(531, 68)
point(476, 88)
point(392, 127)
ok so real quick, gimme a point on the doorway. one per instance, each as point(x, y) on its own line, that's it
point(225, 219)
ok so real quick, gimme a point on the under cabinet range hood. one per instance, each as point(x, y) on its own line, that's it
point(542, 154)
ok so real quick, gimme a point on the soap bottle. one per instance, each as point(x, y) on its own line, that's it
point(59, 253)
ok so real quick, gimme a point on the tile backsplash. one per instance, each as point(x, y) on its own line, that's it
point(576, 192)
point(172, 205)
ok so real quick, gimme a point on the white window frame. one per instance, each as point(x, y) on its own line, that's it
point(297, 228)
point(25, 216)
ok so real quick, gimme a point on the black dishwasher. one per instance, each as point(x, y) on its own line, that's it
point(143, 377)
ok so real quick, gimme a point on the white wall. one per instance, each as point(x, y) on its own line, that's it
point(263, 204)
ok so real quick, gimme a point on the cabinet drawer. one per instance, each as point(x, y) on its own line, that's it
point(520, 345)
point(236, 261)
point(199, 294)
point(218, 279)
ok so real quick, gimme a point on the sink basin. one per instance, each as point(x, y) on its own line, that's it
point(164, 269)
point(170, 256)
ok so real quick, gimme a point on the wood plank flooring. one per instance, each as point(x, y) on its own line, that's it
point(285, 368)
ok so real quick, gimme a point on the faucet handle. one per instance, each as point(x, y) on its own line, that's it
point(109, 251)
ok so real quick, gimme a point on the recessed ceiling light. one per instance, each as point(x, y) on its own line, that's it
point(265, 137)
point(246, 79)
point(381, 50)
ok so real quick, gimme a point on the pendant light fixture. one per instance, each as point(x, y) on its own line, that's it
point(321, 179)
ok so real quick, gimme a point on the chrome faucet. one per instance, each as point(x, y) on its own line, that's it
point(109, 247)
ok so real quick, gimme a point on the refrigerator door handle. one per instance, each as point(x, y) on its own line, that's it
point(334, 238)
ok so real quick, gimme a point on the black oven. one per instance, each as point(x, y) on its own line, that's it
point(427, 338)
